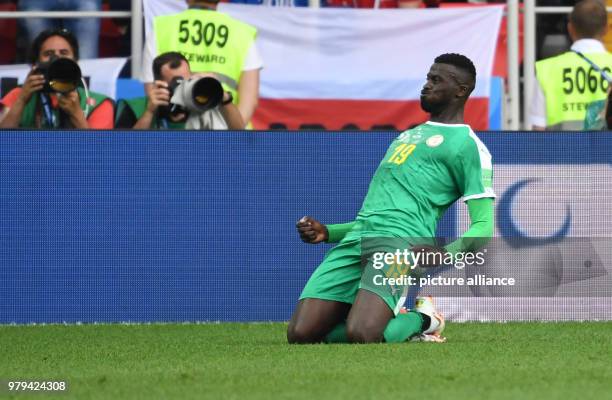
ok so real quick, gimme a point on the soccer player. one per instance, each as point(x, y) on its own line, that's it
point(425, 170)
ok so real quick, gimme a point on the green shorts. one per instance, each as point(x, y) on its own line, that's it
point(343, 272)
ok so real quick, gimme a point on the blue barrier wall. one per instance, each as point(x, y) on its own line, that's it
point(186, 226)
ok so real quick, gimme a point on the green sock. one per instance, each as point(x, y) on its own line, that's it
point(398, 330)
point(402, 327)
point(337, 335)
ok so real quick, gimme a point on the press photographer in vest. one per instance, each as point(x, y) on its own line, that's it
point(54, 94)
point(180, 100)
point(570, 83)
point(211, 41)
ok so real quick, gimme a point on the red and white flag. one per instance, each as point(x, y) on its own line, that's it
point(361, 68)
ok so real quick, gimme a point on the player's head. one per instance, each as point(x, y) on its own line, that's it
point(450, 81)
point(54, 43)
point(170, 65)
point(588, 19)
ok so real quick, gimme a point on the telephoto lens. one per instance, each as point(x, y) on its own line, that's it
point(206, 93)
point(62, 75)
point(197, 94)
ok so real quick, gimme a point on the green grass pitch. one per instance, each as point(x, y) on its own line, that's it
point(253, 361)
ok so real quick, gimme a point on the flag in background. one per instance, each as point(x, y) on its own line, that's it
point(357, 68)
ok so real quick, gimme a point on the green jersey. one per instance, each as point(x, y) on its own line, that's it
point(425, 170)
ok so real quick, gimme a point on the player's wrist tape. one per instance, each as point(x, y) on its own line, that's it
point(337, 232)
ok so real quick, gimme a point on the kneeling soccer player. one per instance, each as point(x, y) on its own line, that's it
point(425, 170)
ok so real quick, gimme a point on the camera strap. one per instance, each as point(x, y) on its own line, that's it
point(596, 67)
point(50, 116)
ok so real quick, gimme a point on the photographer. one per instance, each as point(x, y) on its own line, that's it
point(157, 111)
point(561, 97)
point(37, 104)
point(212, 41)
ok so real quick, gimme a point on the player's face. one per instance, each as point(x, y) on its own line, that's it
point(55, 46)
point(440, 89)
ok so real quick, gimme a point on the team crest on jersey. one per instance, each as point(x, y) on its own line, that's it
point(435, 140)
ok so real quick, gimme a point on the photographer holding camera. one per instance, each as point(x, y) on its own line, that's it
point(180, 100)
point(51, 96)
point(211, 41)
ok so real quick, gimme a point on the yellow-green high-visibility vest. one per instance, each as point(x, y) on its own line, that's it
point(570, 85)
point(211, 41)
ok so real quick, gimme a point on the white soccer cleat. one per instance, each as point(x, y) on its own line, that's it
point(425, 305)
point(428, 338)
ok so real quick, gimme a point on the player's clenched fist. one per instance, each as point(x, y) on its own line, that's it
point(311, 230)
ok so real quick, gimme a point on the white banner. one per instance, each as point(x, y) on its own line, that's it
point(358, 54)
point(102, 73)
point(554, 237)
point(544, 200)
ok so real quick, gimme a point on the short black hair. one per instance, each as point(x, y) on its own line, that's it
point(589, 18)
point(461, 62)
point(46, 34)
point(174, 58)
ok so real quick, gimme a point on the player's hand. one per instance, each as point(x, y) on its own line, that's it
point(33, 83)
point(311, 230)
point(428, 256)
point(158, 96)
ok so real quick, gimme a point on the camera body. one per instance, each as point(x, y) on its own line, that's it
point(62, 75)
point(193, 95)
